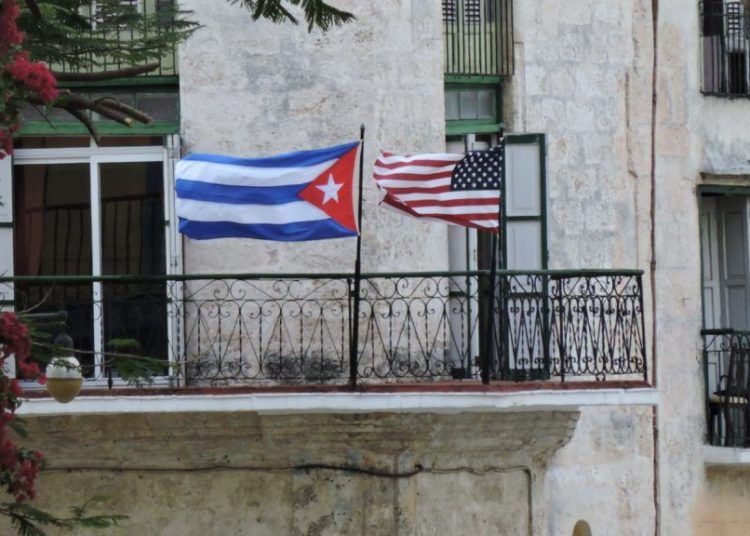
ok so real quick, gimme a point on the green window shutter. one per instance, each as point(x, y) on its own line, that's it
point(525, 200)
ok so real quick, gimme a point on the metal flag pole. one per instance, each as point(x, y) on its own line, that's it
point(492, 342)
point(354, 335)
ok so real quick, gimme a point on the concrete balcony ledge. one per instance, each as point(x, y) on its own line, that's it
point(728, 456)
point(394, 401)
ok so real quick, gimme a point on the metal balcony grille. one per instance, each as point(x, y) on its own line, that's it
point(478, 37)
point(125, 35)
point(726, 354)
point(725, 35)
point(270, 329)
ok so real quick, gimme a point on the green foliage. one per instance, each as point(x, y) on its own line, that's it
point(316, 12)
point(138, 370)
point(86, 36)
point(30, 521)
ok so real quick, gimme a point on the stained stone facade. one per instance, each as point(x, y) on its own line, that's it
point(615, 87)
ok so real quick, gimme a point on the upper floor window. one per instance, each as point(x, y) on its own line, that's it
point(725, 35)
point(478, 36)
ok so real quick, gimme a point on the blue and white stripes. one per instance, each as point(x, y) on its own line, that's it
point(220, 196)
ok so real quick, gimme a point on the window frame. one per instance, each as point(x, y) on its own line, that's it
point(94, 155)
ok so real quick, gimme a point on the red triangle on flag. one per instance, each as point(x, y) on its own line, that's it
point(333, 192)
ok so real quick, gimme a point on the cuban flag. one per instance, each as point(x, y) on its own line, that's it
point(306, 195)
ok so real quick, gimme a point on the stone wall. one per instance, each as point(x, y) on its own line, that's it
point(583, 77)
point(259, 89)
point(245, 473)
point(722, 507)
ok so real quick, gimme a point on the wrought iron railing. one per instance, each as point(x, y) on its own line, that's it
point(726, 359)
point(478, 37)
point(296, 329)
point(725, 33)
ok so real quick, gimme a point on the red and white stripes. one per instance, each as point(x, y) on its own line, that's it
point(420, 186)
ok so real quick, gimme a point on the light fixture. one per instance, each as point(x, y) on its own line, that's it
point(64, 378)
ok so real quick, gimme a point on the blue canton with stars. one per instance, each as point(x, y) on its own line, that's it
point(479, 170)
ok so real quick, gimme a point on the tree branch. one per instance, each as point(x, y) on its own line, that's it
point(86, 122)
point(105, 75)
point(112, 102)
point(34, 9)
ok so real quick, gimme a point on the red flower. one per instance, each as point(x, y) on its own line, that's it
point(15, 388)
point(10, 35)
point(35, 76)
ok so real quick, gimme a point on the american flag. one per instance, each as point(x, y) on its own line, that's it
point(454, 188)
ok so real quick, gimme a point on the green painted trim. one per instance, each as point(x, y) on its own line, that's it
point(525, 138)
point(462, 127)
point(6, 225)
point(133, 81)
point(159, 128)
point(543, 194)
point(472, 79)
point(723, 189)
point(524, 218)
point(302, 276)
point(702, 260)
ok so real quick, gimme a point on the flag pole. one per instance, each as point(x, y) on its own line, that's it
point(492, 343)
point(354, 336)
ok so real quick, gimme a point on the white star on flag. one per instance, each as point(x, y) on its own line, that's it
point(330, 190)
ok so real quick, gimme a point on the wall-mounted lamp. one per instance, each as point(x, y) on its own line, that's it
point(64, 378)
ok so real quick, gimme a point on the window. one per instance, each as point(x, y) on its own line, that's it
point(470, 104)
point(523, 234)
point(725, 256)
point(472, 11)
point(725, 267)
point(726, 41)
point(83, 210)
point(449, 10)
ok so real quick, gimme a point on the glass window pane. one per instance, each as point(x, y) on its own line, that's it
point(160, 106)
point(451, 105)
point(485, 104)
point(53, 237)
point(132, 216)
point(53, 219)
point(468, 104)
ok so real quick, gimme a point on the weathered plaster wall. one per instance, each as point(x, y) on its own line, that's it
point(583, 77)
point(723, 506)
point(726, 137)
point(604, 476)
point(234, 473)
point(259, 89)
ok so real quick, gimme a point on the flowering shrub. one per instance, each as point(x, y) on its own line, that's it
point(19, 467)
point(21, 79)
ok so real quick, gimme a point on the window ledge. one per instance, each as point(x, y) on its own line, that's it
point(340, 402)
point(726, 456)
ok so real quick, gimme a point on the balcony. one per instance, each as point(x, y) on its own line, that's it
point(725, 35)
point(727, 371)
point(478, 37)
point(294, 332)
point(131, 41)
